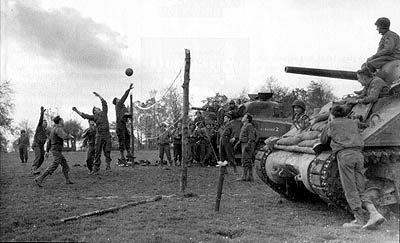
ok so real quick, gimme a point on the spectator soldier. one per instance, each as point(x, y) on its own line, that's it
point(164, 141)
point(23, 144)
point(247, 140)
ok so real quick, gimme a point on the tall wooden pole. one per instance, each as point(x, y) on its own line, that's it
point(132, 135)
point(185, 114)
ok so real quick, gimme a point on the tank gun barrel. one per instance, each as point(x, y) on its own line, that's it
point(322, 72)
point(198, 109)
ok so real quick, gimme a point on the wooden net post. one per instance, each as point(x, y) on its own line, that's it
point(185, 114)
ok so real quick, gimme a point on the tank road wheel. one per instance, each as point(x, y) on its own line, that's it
point(323, 176)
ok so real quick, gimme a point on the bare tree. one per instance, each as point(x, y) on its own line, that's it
point(318, 94)
point(6, 109)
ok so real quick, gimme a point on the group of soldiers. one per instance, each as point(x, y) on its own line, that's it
point(211, 138)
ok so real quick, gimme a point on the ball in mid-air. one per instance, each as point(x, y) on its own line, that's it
point(129, 72)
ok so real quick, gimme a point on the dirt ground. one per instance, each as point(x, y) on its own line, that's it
point(250, 211)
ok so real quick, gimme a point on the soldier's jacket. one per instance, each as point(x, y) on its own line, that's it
point(301, 121)
point(41, 133)
point(206, 133)
point(89, 136)
point(56, 139)
point(344, 134)
point(177, 136)
point(226, 132)
point(247, 133)
point(23, 141)
point(165, 137)
point(101, 120)
point(192, 136)
point(376, 88)
point(389, 45)
point(121, 110)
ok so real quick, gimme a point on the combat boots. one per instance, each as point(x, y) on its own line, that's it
point(39, 179)
point(244, 175)
point(67, 180)
point(375, 218)
point(357, 222)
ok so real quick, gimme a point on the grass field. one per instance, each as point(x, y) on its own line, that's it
point(250, 211)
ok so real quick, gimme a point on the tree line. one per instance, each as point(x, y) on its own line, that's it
point(150, 113)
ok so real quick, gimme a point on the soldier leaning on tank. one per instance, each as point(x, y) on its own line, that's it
point(103, 136)
point(300, 120)
point(89, 136)
point(177, 144)
point(374, 88)
point(164, 141)
point(122, 114)
point(225, 142)
point(39, 140)
point(56, 143)
point(23, 144)
point(346, 142)
point(192, 139)
point(205, 134)
point(388, 49)
point(247, 140)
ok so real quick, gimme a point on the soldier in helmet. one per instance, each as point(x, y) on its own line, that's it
point(205, 145)
point(192, 139)
point(300, 120)
point(388, 48)
point(226, 140)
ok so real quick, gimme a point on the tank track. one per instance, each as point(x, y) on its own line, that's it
point(323, 175)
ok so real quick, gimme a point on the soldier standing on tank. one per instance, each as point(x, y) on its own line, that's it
point(103, 136)
point(164, 141)
point(23, 144)
point(39, 140)
point(225, 142)
point(247, 140)
point(122, 114)
point(346, 142)
point(177, 144)
point(89, 136)
point(388, 48)
point(56, 143)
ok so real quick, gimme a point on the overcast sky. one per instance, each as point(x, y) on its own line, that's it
point(57, 52)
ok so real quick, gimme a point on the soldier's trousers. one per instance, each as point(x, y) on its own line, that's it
point(191, 151)
point(205, 152)
point(178, 152)
point(90, 155)
point(124, 139)
point(378, 62)
point(248, 150)
point(164, 148)
point(23, 154)
point(102, 143)
point(59, 159)
point(350, 165)
point(226, 151)
point(39, 156)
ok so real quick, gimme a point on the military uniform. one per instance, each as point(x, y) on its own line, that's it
point(124, 137)
point(177, 142)
point(164, 141)
point(205, 145)
point(89, 136)
point(247, 139)
point(192, 139)
point(376, 88)
point(225, 146)
point(23, 144)
point(56, 144)
point(388, 50)
point(39, 140)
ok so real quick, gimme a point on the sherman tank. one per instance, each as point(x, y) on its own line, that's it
point(305, 171)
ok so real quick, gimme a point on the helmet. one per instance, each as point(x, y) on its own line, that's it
point(383, 23)
point(229, 115)
point(299, 103)
point(232, 102)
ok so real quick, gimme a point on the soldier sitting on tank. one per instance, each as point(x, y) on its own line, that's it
point(346, 142)
point(388, 49)
point(374, 88)
point(300, 120)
